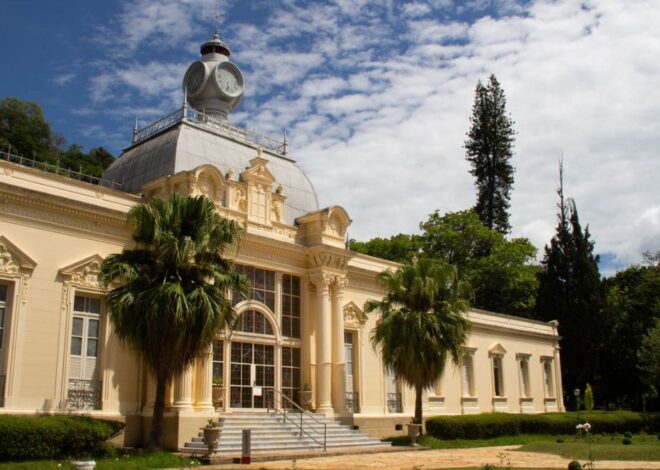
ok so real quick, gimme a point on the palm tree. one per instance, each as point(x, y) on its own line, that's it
point(421, 323)
point(168, 296)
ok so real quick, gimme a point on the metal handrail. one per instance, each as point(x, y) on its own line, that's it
point(302, 421)
point(57, 170)
point(213, 123)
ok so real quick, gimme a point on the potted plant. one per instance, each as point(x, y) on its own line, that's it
point(218, 392)
point(305, 397)
point(211, 435)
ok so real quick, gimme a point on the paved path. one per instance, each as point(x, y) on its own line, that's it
point(437, 459)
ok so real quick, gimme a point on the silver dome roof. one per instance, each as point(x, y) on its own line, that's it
point(186, 145)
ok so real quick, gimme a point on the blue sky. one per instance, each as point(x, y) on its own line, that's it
point(376, 96)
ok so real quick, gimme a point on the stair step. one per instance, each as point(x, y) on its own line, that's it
point(271, 434)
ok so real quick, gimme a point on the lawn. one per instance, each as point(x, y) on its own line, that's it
point(134, 461)
point(643, 447)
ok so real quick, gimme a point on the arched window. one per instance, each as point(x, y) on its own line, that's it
point(252, 321)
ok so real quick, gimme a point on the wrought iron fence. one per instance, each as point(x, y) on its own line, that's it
point(57, 170)
point(353, 401)
point(2, 390)
point(84, 394)
point(394, 403)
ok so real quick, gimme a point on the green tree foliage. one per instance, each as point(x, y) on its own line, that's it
point(502, 272)
point(570, 291)
point(588, 398)
point(25, 131)
point(489, 148)
point(631, 311)
point(421, 324)
point(168, 295)
point(400, 248)
point(649, 360)
point(24, 128)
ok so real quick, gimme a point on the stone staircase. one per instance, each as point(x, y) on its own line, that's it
point(270, 435)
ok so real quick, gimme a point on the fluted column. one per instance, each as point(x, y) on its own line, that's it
point(204, 382)
point(338, 348)
point(323, 343)
point(183, 391)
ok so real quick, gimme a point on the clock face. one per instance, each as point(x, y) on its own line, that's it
point(229, 79)
point(194, 77)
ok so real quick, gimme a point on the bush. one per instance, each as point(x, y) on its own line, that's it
point(627, 434)
point(54, 437)
point(574, 465)
point(489, 425)
point(626, 441)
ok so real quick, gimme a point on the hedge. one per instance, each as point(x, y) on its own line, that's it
point(54, 437)
point(487, 425)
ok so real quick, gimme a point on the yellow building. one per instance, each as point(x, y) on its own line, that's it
point(303, 327)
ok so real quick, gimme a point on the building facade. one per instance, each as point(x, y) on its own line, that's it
point(303, 327)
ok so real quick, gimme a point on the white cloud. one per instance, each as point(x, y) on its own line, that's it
point(64, 79)
point(377, 101)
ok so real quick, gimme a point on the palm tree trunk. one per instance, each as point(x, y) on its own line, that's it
point(418, 404)
point(157, 419)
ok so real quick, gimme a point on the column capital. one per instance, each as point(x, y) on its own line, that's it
point(321, 280)
point(339, 283)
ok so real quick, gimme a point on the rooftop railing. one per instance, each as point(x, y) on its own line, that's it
point(57, 170)
point(212, 123)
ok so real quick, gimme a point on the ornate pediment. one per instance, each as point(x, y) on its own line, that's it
point(12, 259)
point(258, 171)
point(354, 316)
point(497, 350)
point(84, 273)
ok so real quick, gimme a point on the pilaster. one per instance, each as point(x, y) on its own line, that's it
point(322, 281)
point(338, 348)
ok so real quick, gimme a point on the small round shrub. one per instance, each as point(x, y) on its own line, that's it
point(627, 434)
point(574, 465)
point(626, 441)
point(560, 441)
point(488, 466)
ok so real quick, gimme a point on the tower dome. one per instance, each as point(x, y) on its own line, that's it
point(213, 85)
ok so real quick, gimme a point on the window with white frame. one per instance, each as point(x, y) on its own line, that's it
point(467, 366)
point(498, 376)
point(548, 381)
point(84, 390)
point(523, 376)
point(85, 334)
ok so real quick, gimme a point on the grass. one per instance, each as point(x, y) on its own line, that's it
point(643, 447)
point(132, 461)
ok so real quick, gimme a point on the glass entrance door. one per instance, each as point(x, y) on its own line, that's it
point(252, 375)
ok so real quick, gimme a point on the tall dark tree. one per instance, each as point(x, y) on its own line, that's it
point(570, 291)
point(489, 149)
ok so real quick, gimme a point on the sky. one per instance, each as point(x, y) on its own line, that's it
point(376, 96)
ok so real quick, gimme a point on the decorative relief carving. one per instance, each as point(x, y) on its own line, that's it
point(276, 211)
point(12, 259)
point(7, 264)
point(328, 259)
point(354, 316)
point(240, 200)
point(84, 273)
point(339, 284)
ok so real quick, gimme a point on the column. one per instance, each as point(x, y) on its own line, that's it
point(183, 391)
point(323, 343)
point(338, 348)
point(204, 382)
point(150, 392)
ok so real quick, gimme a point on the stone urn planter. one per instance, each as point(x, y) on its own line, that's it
point(305, 398)
point(84, 464)
point(211, 436)
point(414, 432)
point(218, 395)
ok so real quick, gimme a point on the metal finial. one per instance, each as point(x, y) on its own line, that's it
point(218, 16)
point(286, 143)
point(135, 129)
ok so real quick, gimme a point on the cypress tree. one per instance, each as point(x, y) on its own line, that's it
point(570, 292)
point(489, 149)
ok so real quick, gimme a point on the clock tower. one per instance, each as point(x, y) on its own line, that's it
point(213, 85)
